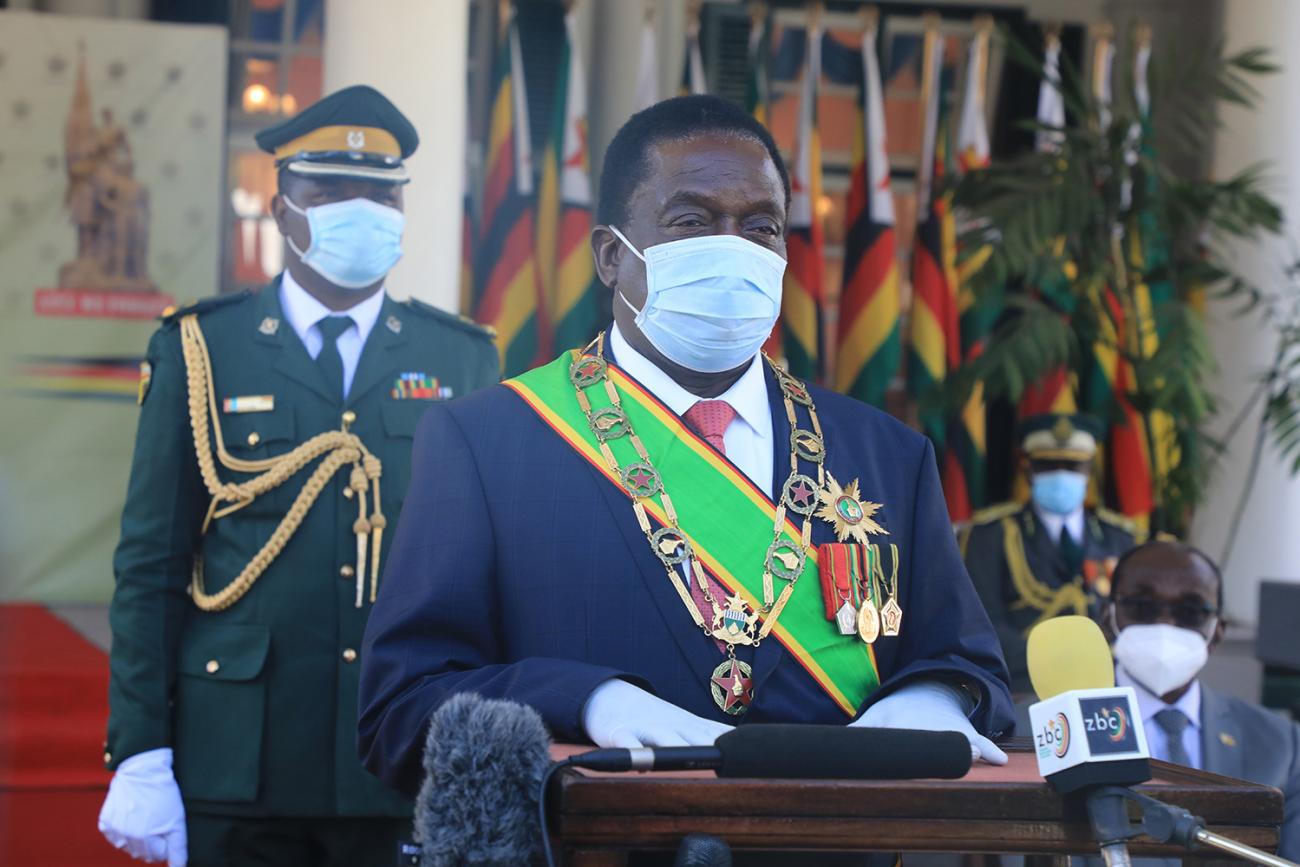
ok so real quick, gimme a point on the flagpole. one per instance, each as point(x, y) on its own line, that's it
point(931, 57)
point(758, 35)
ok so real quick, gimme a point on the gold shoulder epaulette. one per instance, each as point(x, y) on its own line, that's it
point(995, 513)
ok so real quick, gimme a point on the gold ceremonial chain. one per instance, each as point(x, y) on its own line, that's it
point(737, 623)
point(340, 448)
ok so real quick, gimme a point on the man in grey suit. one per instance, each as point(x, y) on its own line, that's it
point(1164, 618)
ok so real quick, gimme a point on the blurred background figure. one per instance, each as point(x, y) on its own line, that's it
point(1164, 617)
point(1052, 555)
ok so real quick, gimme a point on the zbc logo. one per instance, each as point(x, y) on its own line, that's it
point(1112, 722)
point(1055, 736)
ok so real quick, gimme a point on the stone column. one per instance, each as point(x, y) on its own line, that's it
point(414, 51)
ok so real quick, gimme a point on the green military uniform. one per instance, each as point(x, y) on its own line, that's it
point(238, 618)
point(1022, 578)
point(1022, 574)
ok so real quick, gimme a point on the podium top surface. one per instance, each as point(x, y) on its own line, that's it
point(991, 809)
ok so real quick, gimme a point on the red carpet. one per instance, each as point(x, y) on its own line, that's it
point(53, 707)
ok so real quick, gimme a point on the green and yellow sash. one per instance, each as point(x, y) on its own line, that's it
point(726, 518)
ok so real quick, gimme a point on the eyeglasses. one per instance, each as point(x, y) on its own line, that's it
point(1188, 615)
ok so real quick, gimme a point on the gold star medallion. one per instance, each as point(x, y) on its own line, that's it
point(847, 513)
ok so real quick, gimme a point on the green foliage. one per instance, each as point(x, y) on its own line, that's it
point(1100, 217)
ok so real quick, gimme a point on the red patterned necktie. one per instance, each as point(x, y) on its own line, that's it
point(709, 419)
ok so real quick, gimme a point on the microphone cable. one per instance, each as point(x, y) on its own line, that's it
point(541, 807)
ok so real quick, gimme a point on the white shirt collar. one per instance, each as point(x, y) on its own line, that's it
point(1074, 522)
point(1150, 704)
point(747, 395)
point(303, 310)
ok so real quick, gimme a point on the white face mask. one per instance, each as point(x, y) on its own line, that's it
point(710, 300)
point(1160, 656)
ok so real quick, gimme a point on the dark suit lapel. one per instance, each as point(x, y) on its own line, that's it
point(375, 366)
point(1221, 750)
point(274, 332)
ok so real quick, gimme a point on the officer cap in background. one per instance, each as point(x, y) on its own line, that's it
point(1060, 437)
point(354, 132)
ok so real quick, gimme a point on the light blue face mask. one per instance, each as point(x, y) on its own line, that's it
point(354, 243)
point(1060, 492)
point(710, 301)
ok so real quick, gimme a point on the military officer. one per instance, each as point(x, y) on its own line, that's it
point(1053, 556)
point(273, 450)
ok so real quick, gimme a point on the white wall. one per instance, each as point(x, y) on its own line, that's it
point(414, 52)
point(1268, 545)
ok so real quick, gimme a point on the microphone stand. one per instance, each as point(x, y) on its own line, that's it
point(1108, 813)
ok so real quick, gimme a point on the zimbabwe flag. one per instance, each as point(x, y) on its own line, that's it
point(870, 348)
point(507, 294)
point(801, 299)
point(565, 265)
point(935, 341)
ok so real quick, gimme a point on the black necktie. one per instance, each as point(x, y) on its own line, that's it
point(1174, 722)
point(331, 363)
point(1071, 553)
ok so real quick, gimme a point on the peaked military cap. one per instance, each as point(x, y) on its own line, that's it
point(354, 132)
point(1060, 436)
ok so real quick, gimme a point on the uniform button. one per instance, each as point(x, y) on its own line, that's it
point(254, 438)
point(348, 492)
point(108, 758)
point(346, 571)
point(212, 666)
point(349, 655)
point(349, 417)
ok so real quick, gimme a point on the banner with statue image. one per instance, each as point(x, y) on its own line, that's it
point(112, 152)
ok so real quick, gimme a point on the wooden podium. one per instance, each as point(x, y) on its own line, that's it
point(597, 819)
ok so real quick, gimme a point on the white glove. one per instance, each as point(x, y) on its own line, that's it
point(930, 706)
point(143, 812)
point(618, 714)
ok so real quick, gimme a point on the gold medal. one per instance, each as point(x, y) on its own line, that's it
point(868, 622)
point(892, 614)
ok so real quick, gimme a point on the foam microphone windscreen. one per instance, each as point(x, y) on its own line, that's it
point(483, 765)
point(1066, 653)
point(842, 753)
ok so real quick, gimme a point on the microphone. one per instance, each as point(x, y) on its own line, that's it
point(483, 767)
point(1087, 732)
point(816, 752)
point(1088, 738)
point(702, 850)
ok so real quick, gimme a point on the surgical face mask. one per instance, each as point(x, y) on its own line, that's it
point(1059, 492)
point(710, 301)
point(354, 243)
point(1160, 656)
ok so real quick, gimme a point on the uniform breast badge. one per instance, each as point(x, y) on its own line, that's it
point(418, 385)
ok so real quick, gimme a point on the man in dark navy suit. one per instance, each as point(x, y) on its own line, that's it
point(662, 535)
